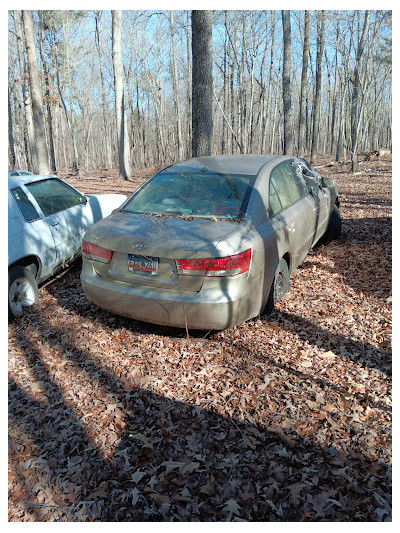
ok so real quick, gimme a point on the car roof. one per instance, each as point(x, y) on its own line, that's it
point(248, 164)
point(14, 181)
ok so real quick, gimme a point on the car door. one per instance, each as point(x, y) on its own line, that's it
point(304, 172)
point(66, 213)
point(323, 208)
point(29, 233)
point(292, 212)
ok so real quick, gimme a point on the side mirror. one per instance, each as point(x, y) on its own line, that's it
point(312, 184)
point(328, 182)
point(84, 200)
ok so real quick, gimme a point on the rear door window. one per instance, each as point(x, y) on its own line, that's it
point(284, 188)
point(27, 210)
point(54, 196)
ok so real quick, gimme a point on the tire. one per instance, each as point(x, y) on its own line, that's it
point(22, 291)
point(279, 287)
point(334, 230)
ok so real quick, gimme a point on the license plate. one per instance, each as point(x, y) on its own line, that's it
point(140, 263)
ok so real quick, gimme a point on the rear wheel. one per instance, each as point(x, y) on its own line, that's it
point(280, 286)
point(22, 291)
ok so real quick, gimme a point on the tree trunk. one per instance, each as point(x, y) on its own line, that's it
point(202, 83)
point(335, 89)
point(355, 104)
point(268, 111)
point(318, 84)
point(286, 88)
point(106, 136)
point(47, 95)
point(122, 130)
point(31, 154)
point(60, 93)
point(303, 92)
point(10, 133)
point(41, 164)
point(175, 86)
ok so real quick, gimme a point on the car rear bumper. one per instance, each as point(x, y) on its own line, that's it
point(220, 304)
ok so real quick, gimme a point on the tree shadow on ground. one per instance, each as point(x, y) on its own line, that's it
point(142, 456)
point(357, 351)
point(71, 297)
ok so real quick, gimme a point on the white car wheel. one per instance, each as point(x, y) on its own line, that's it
point(22, 291)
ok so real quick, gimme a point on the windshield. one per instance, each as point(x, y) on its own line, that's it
point(193, 195)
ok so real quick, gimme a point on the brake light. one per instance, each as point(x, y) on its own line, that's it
point(218, 266)
point(96, 253)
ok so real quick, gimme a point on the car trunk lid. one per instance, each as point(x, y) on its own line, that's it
point(145, 248)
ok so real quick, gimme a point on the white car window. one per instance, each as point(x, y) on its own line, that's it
point(27, 210)
point(54, 196)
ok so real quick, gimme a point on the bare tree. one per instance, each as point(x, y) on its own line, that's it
point(30, 134)
point(318, 84)
point(356, 96)
point(106, 136)
point(286, 82)
point(247, 90)
point(122, 130)
point(47, 97)
point(175, 87)
point(202, 83)
point(41, 164)
point(303, 91)
point(11, 131)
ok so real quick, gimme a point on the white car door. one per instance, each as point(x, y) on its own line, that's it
point(67, 214)
point(28, 233)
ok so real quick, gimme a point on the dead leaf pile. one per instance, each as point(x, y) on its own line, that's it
point(283, 418)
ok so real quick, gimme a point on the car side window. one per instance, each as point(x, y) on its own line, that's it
point(27, 210)
point(284, 188)
point(301, 182)
point(54, 196)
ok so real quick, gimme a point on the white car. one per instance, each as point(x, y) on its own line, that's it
point(46, 221)
point(18, 172)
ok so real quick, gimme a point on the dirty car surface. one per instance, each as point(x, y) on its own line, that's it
point(210, 242)
point(46, 221)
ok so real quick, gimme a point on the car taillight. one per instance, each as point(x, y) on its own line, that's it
point(96, 253)
point(218, 266)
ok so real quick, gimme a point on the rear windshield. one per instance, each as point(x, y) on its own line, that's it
point(194, 195)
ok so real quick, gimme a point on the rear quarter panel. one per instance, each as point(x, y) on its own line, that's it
point(32, 238)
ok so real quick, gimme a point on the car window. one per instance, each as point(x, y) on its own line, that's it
point(27, 210)
point(284, 188)
point(14, 174)
point(301, 182)
point(54, 196)
point(193, 194)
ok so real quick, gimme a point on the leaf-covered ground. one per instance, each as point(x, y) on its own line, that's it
point(283, 418)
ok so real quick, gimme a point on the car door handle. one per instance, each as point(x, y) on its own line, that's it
point(54, 223)
point(292, 228)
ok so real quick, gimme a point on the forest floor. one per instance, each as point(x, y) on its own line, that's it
point(286, 417)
